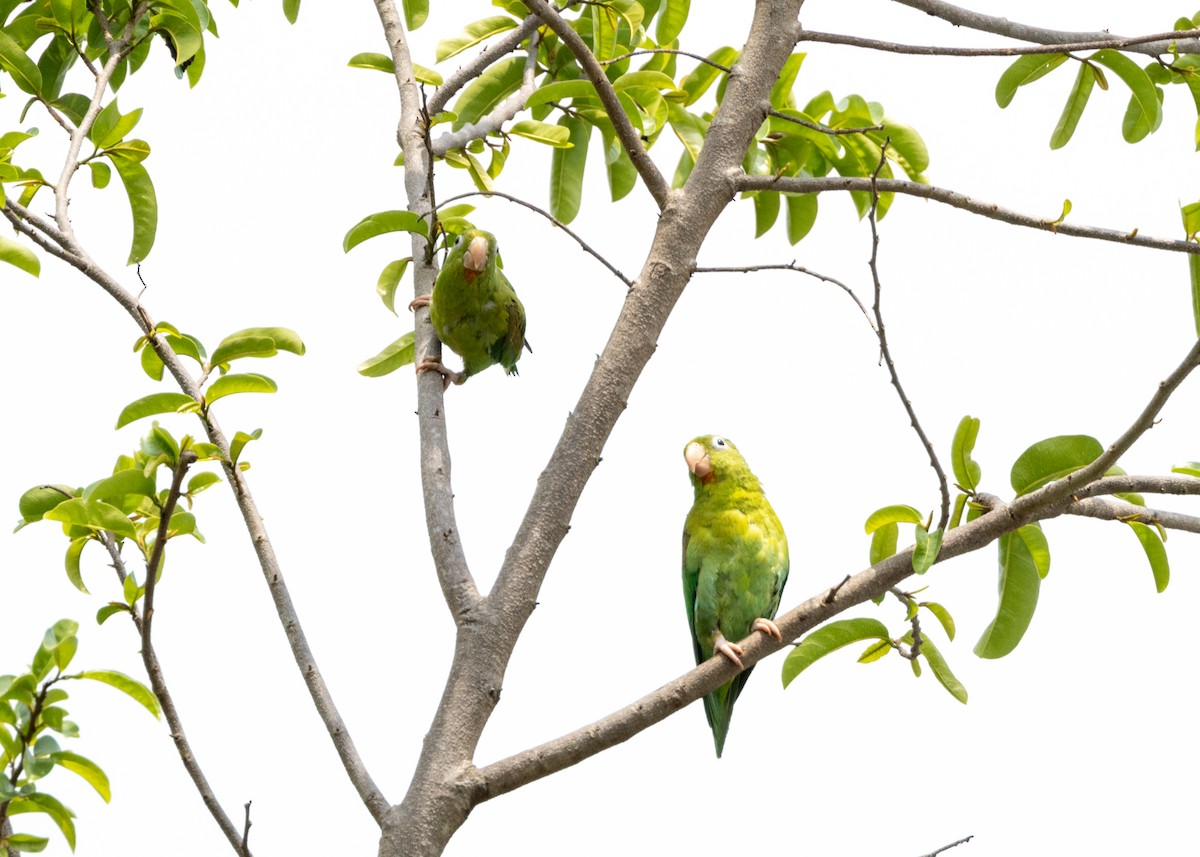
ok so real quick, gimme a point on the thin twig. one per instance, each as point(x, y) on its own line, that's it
point(186, 459)
point(246, 832)
point(1114, 42)
point(791, 266)
point(559, 224)
point(824, 129)
point(650, 51)
point(910, 653)
point(632, 143)
point(1111, 509)
point(990, 210)
point(885, 351)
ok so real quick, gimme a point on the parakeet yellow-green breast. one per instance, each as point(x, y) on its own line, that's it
point(735, 563)
point(474, 309)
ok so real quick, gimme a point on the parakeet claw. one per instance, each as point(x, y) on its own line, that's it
point(730, 650)
point(448, 375)
point(767, 627)
point(423, 300)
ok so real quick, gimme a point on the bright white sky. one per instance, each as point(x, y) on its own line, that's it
point(1082, 741)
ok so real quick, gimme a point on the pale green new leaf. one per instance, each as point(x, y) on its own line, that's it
point(898, 514)
point(142, 202)
point(941, 671)
point(473, 34)
point(1019, 585)
point(541, 132)
point(486, 91)
point(155, 403)
point(943, 616)
point(87, 769)
point(883, 542)
point(927, 548)
point(1156, 553)
point(415, 13)
point(829, 638)
point(671, 18)
point(966, 470)
point(389, 281)
point(383, 222)
point(399, 353)
point(1076, 102)
point(248, 382)
point(19, 256)
point(129, 686)
point(372, 60)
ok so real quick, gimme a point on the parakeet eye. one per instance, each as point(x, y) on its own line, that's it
point(719, 442)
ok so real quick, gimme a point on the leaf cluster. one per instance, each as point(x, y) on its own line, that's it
point(31, 714)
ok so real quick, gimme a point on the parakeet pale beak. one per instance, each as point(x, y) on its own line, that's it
point(476, 257)
point(697, 460)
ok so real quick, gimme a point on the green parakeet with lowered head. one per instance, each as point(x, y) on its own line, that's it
point(735, 563)
point(474, 309)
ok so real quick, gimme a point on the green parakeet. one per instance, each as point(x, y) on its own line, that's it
point(735, 563)
point(474, 309)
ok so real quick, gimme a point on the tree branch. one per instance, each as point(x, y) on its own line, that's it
point(557, 223)
point(954, 199)
point(1164, 38)
point(960, 17)
point(490, 54)
point(1109, 509)
point(632, 143)
point(495, 120)
point(953, 844)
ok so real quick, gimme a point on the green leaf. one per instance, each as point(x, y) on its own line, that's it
point(1076, 102)
point(883, 542)
point(27, 843)
point(697, 82)
point(1019, 585)
point(74, 573)
point(185, 32)
point(1188, 468)
point(566, 170)
point(426, 75)
point(131, 687)
point(875, 651)
point(1156, 553)
point(560, 91)
point(383, 222)
point(766, 211)
point(291, 10)
point(95, 515)
point(109, 610)
point(371, 60)
point(200, 482)
point(905, 146)
point(87, 769)
point(1025, 70)
point(111, 127)
point(1038, 547)
point(781, 91)
point(486, 91)
point(898, 514)
point(552, 135)
point(155, 403)
point(101, 174)
point(1053, 458)
point(239, 442)
point(1145, 105)
point(960, 505)
point(829, 638)
point(19, 256)
point(671, 18)
point(655, 80)
point(622, 175)
point(389, 280)
point(941, 671)
point(943, 616)
point(473, 34)
point(399, 353)
point(16, 62)
point(238, 345)
point(285, 339)
point(415, 13)
point(966, 471)
point(36, 502)
point(689, 128)
point(121, 483)
point(246, 382)
point(142, 202)
point(926, 551)
point(801, 214)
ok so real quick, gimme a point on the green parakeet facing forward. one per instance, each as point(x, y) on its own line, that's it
point(735, 563)
point(474, 309)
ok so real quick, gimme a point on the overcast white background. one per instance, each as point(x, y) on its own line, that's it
point(1082, 741)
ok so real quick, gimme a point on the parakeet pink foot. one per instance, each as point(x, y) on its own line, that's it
point(730, 650)
point(767, 627)
point(448, 375)
point(423, 300)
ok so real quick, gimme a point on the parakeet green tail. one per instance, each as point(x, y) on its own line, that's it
point(735, 564)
